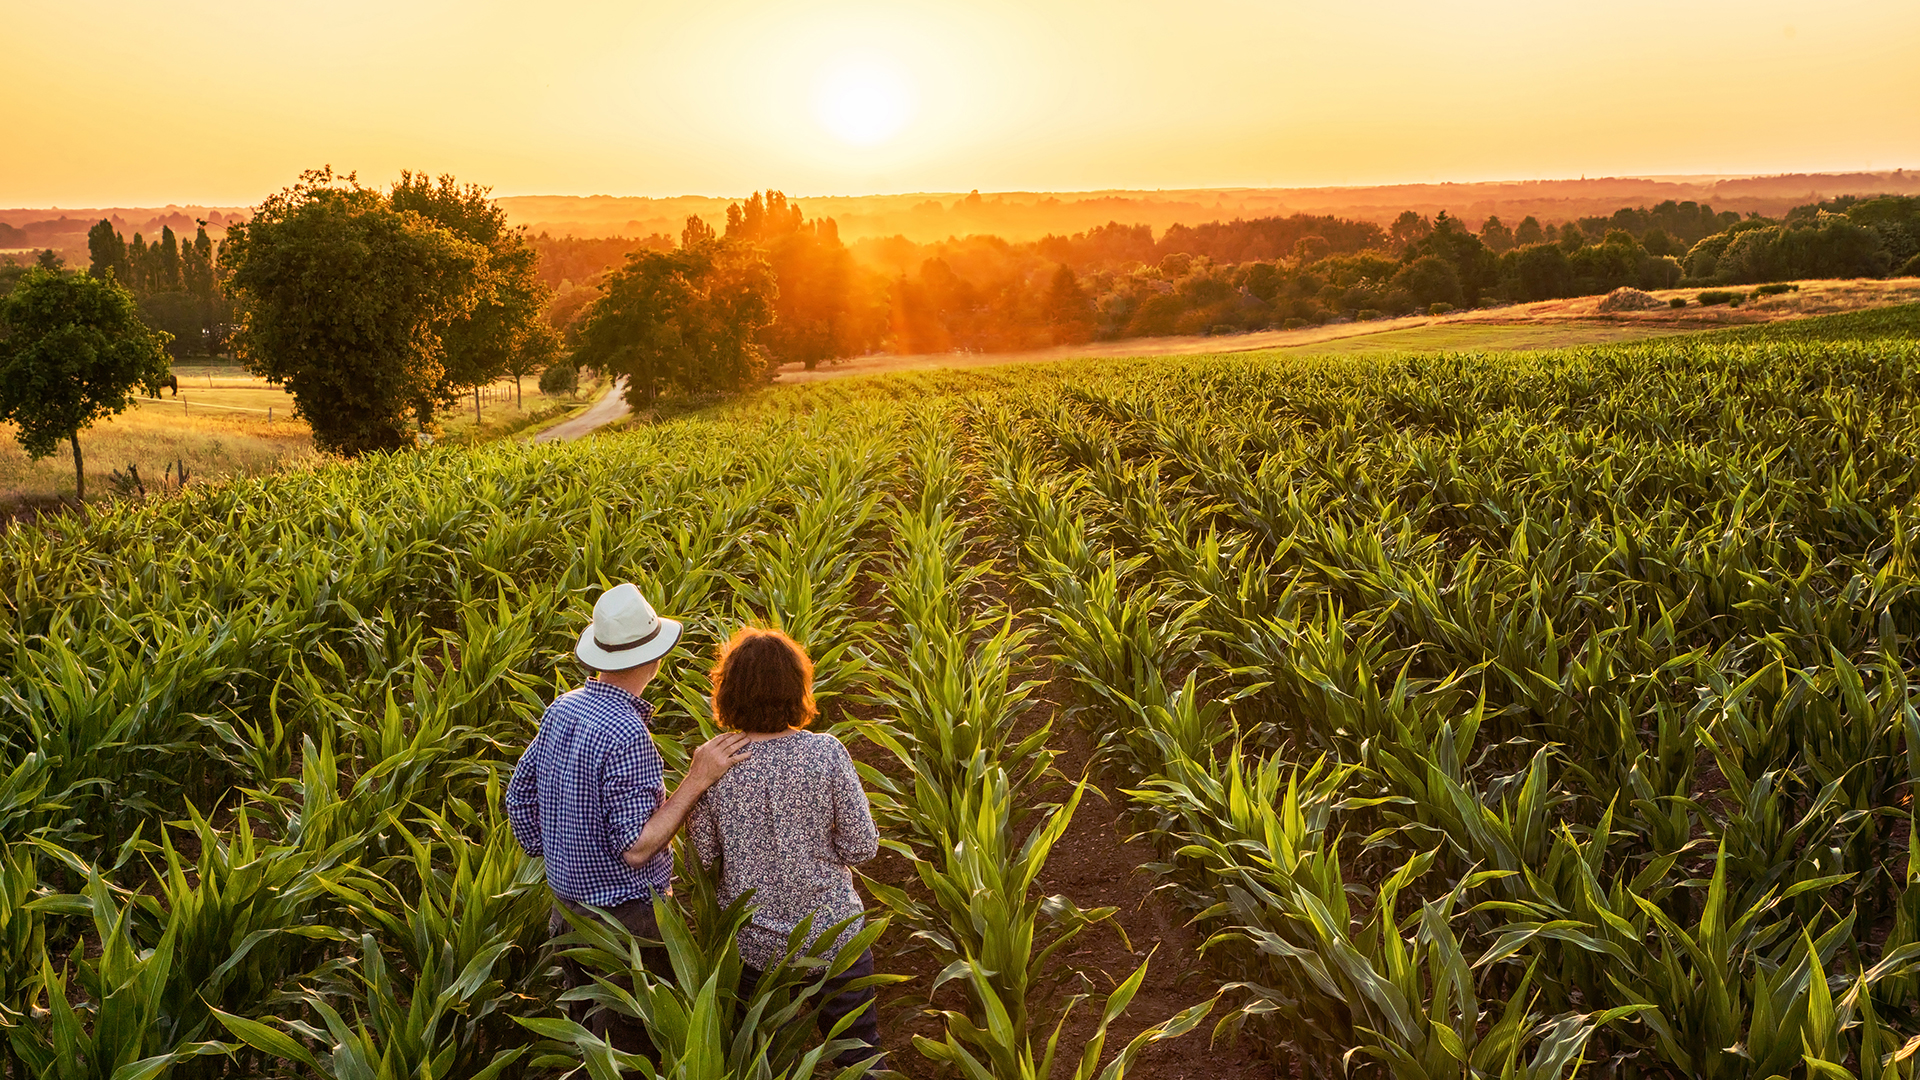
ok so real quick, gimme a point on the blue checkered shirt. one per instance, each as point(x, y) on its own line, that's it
point(583, 791)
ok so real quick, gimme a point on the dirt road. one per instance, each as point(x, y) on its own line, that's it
point(612, 406)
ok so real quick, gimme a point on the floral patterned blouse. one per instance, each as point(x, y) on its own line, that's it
point(787, 823)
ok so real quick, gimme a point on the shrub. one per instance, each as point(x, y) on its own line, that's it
point(1429, 280)
point(1366, 314)
point(1677, 302)
point(1774, 290)
point(1627, 298)
point(560, 379)
point(1717, 296)
point(1293, 324)
point(1439, 309)
point(1912, 267)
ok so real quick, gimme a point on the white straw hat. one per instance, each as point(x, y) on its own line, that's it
point(625, 632)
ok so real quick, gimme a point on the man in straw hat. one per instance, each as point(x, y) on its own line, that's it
point(590, 792)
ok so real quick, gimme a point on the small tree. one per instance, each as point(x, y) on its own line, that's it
point(1409, 229)
point(1069, 311)
point(1430, 280)
point(1495, 234)
point(74, 351)
point(560, 377)
point(685, 319)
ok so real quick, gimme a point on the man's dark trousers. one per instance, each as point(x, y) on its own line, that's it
point(620, 1032)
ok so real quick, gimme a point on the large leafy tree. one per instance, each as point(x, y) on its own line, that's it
point(344, 299)
point(504, 332)
point(73, 352)
point(687, 319)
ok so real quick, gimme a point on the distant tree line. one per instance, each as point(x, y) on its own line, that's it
point(174, 284)
point(984, 293)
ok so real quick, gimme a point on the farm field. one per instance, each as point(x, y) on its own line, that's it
point(1519, 713)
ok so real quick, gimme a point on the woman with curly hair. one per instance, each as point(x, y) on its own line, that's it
point(787, 823)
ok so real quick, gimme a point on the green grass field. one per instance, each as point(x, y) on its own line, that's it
point(1491, 713)
point(1478, 337)
point(219, 426)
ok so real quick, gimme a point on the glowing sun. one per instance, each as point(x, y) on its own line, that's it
point(863, 102)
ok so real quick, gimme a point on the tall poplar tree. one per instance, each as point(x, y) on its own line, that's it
point(107, 251)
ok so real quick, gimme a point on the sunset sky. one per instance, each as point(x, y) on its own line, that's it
point(114, 102)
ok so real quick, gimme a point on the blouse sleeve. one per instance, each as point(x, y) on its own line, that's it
point(855, 840)
point(704, 831)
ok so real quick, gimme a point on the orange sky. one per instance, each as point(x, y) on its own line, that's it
point(114, 102)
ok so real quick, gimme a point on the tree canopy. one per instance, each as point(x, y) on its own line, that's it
point(346, 299)
point(73, 351)
point(818, 314)
point(503, 333)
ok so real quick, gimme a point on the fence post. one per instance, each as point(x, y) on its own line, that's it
point(269, 416)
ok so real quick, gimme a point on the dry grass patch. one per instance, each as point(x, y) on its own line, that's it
point(212, 444)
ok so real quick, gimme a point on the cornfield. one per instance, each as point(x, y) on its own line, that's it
point(1522, 715)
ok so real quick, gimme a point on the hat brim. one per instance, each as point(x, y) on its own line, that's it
point(592, 655)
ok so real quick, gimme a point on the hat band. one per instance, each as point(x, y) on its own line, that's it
point(604, 647)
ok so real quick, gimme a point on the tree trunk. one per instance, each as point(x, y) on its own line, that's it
point(519, 402)
point(79, 468)
point(476, 404)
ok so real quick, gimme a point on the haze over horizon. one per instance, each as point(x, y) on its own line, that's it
point(212, 102)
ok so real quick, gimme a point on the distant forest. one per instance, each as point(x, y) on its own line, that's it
point(982, 293)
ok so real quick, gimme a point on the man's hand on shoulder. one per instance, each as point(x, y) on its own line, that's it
point(710, 762)
point(714, 758)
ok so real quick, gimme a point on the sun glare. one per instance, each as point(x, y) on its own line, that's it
point(863, 102)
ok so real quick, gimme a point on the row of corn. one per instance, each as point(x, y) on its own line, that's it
point(962, 802)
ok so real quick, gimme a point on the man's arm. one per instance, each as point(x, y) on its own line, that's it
point(523, 803)
point(710, 762)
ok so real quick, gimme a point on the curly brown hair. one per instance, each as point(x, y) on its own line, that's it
point(763, 683)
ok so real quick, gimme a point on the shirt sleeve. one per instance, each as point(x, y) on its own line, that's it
point(704, 830)
point(633, 785)
point(523, 801)
point(855, 840)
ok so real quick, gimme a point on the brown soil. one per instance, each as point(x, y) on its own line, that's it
point(1096, 866)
